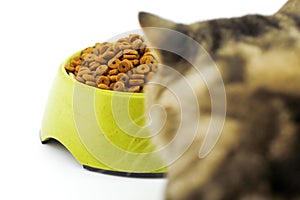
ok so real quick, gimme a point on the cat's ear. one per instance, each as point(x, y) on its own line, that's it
point(150, 20)
point(291, 6)
point(169, 39)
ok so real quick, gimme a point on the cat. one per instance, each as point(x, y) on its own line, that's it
point(257, 153)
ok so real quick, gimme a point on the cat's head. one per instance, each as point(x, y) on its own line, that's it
point(234, 44)
point(252, 51)
point(171, 40)
point(172, 94)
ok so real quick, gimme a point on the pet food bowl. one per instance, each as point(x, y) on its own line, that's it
point(104, 130)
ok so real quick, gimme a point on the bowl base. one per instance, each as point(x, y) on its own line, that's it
point(126, 174)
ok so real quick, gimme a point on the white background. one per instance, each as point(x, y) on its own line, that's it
point(35, 37)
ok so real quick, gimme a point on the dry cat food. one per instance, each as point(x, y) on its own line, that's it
point(125, 65)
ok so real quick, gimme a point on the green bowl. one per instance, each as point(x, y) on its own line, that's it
point(104, 130)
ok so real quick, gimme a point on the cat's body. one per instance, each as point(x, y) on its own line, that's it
point(258, 153)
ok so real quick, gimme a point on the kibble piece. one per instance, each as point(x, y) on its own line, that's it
point(113, 72)
point(108, 55)
point(95, 51)
point(111, 86)
point(90, 57)
point(133, 70)
point(76, 58)
point(134, 89)
point(135, 62)
point(137, 76)
point(70, 68)
point(130, 52)
point(143, 69)
point(130, 57)
point(119, 86)
point(80, 79)
point(103, 48)
point(88, 50)
point(116, 47)
point(103, 86)
point(148, 52)
point(136, 44)
point(94, 65)
point(136, 82)
point(142, 48)
point(119, 55)
point(112, 78)
point(129, 73)
point(147, 60)
point(133, 37)
point(88, 77)
point(103, 80)
point(83, 70)
point(122, 77)
point(76, 62)
point(123, 40)
point(125, 66)
point(77, 68)
point(91, 83)
point(113, 63)
point(100, 59)
point(102, 69)
point(124, 46)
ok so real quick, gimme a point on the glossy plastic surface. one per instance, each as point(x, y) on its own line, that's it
point(102, 129)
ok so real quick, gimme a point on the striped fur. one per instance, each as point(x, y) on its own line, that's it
point(257, 155)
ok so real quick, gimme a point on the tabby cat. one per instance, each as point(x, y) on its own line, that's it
point(257, 155)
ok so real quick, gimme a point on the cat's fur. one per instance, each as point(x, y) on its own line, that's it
point(258, 153)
